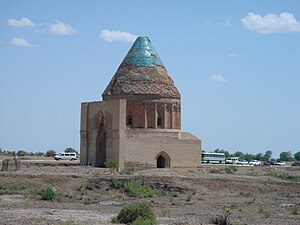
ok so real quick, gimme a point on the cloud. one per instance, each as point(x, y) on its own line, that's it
point(218, 78)
point(233, 55)
point(116, 35)
point(24, 22)
point(21, 42)
point(226, 23)
point(271, 23)
point(60, 28)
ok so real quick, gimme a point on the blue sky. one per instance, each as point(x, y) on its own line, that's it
point(236, 64)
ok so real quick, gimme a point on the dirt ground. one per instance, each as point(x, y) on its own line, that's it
point(252, 195)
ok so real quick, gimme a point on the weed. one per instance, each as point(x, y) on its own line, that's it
point(116, 183)
point(87, 201)
point(142, 221)
point(112, 163)
point(138, 214)
point(174, 194)
point(189, 197)
point(271, 173)
point(223, 219)
point(165, 212)
point(69, 221)
point(24, 186)
point(230, 169)
point(133, 188)
point(265, 212)
point(114, 219)
point(290, 178)
point(295, 209)
point(48, 194)
point(213, 170)
point(127, 171)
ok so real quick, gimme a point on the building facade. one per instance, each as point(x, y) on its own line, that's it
point(138, 123)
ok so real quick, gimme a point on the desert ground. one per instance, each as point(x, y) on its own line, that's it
point(85, 195)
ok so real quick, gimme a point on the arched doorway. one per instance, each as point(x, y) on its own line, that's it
point(162, 160)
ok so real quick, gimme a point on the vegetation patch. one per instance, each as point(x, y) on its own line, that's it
point(265, 212)
point(271, 173)
point(290, 178)
point(295, 209)
point(223, 219)
point(48, 194)
point(136, 214)
point(230, 169)
point(133, 188)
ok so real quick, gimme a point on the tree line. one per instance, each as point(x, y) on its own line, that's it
point(267, 156)
point(49, 153)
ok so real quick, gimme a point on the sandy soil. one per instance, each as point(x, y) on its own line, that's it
point(183, 196)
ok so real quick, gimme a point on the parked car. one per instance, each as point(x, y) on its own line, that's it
point(255, 163)
point(66, 156)
point(268, 163)
point(242, 162)
point(232, 160)
point(279, 163)
point(296, 164)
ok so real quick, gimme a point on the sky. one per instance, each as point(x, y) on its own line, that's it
point(236, 64)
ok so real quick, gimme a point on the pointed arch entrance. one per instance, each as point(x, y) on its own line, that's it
point(162, 160)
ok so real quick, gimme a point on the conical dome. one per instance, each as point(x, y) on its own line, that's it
point(141, 73)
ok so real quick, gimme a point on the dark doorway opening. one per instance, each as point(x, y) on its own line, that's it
point(101, 146)
point(160, 162)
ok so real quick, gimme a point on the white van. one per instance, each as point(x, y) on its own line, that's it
point(66, 156)
point(232, 160)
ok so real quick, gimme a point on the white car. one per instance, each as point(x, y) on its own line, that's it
point(279, 163)
point(66, 156)
point(232, 160)
point(255, 163)
point(242, 162)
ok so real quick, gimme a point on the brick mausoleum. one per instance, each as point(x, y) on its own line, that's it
point(138, 123)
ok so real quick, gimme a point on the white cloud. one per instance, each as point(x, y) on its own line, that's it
point(116, 35)
point(226, 23)
point(271, 23)
point(21, 42)
point(24, 22)
point(61, 28)
point(233, 55)
point(218, 78)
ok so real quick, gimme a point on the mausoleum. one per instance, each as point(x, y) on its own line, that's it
point(138, 122)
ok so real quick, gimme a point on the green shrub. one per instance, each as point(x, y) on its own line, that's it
point(127, 171)
point(142, 221)
point(213, 170)
point(223, 219)
point(295, 209)
point(174, 194)
point(265, 212)
point(48, 194)
point(24, 186)
point(115, 183)
point(291, 178)
point(271, 173)
point(112, 163)
point(137, 212)
point(230, 169)
point(133, 188)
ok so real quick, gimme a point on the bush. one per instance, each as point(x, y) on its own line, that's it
point(295, 209)
point(142, 221)
point(231, 169)
point(138, 214)
point(48, 194)
point(133, 188)
point(223, 219)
